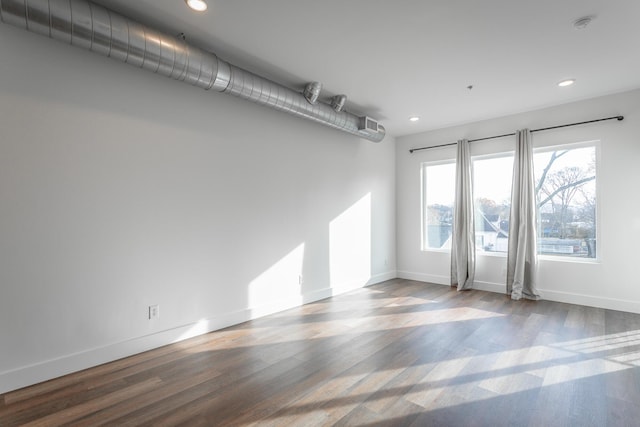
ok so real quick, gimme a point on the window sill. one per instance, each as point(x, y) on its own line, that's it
point(491, 254)
point(442, 251)
point(571, 260)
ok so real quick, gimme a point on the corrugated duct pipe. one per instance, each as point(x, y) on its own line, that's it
point(103, 31)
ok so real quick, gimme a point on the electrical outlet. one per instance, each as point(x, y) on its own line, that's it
point(386, 262)
point(154, 311)
point(300, 279)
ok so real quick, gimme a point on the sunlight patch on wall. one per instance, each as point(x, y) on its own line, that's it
point(350, 246)
point(279, 286)
point(198, 328)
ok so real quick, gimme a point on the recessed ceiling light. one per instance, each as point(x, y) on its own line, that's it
point(414, 118)
point(567, 82)
point(197, 5)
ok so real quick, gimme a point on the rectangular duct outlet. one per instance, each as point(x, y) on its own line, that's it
point(367, 124)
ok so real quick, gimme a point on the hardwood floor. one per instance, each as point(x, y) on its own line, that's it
point(400, 353)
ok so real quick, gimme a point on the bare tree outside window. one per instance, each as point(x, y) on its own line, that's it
point(565, 191)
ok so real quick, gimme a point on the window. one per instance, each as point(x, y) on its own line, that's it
point(438, 191)
point(492, 178)
point(565, 180)
point(566, 198)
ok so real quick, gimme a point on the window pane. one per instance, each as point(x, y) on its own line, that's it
point(566, 197)
point(492, 198)
point(438, 184)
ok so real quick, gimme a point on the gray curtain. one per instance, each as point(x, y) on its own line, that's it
point(522, 257)
point(463, 241)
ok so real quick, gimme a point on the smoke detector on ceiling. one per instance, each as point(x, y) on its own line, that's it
point(581, 23)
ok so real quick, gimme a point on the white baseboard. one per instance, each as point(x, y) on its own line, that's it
point(32, 374)
point(557, 296)
point(499, 288)
point(341, 288)
point(382, 277)
point(591, 301)
point(569, 298)
point(422, 277)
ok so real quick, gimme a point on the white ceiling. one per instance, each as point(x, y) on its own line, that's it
point(394, 59)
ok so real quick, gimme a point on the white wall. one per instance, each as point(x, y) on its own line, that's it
point(613, 281)
point(120, 189)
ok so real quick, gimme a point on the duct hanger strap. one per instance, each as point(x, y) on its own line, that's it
point(100, 30)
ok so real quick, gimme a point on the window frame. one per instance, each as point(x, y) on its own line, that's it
point(596, 144)
point(501, 154)
point(571, 146)
point(423, 203)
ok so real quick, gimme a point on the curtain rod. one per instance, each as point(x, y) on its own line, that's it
point(512, 134)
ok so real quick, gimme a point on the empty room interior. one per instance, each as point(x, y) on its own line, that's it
point(297, 212)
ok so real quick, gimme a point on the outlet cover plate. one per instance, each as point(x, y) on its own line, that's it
point(154, 311)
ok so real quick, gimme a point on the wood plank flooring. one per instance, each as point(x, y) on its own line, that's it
point(400, 353)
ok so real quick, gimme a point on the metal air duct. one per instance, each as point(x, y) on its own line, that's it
point(103, 31)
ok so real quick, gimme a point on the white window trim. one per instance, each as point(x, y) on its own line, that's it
point(499, 155)
point(423, 194)
point(546, 148)
point(572, 146)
